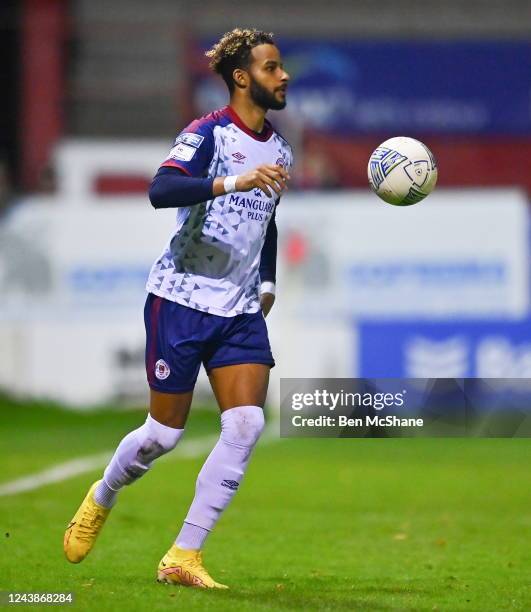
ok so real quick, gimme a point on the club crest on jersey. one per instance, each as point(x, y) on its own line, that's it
point(193, 140)
point(162, 369)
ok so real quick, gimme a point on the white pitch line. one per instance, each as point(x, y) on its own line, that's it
point(188, 449)
point(57, 473)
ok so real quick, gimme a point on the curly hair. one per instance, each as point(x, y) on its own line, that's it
point(233, 50)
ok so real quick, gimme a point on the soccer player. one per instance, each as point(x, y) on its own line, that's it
point(208, 294)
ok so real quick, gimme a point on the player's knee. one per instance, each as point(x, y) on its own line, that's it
point(152, 441)
point(157, 440)
point(242, 425)
point(138, 450)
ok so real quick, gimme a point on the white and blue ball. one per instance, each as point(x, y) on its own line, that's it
point(402, 171)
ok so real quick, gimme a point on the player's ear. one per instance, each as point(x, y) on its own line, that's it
point(241, 78)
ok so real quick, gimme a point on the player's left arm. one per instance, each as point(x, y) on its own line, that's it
point(268, 259)
point(268, 266)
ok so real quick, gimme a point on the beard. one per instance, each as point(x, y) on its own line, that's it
point(263, 98)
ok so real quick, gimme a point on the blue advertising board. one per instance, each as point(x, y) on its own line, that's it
point(468, 87)
point(445, 349)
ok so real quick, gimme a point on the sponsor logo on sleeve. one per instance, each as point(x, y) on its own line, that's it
point(183, 152)
point(193, 140)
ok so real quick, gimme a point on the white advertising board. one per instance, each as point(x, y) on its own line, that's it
point(72, 284)
point(72, 281)
point(459, 253)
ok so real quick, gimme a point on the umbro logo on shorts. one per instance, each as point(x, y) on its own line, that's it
point(230, 484)
point(162, 369)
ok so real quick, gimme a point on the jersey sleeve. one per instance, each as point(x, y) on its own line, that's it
point(289, 161)
point(193, 149)
point(268, 257)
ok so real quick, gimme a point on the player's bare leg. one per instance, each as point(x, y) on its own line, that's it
point(240, 391)
point(170, 409)
point(240, 385)
point(132, 459)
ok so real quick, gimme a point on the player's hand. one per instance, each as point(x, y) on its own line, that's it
point(268, 178)
point(266, 302)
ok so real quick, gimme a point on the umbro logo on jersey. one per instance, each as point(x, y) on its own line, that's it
point(230, 484)
point(238, 157)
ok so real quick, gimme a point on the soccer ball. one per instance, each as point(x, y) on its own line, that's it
point(402, 171)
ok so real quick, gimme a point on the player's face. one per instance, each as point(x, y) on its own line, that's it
point(268, 79)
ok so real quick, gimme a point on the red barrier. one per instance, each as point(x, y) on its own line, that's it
point(43, 33)
point(463, 161)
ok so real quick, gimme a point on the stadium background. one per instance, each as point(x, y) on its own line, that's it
point(92, 95)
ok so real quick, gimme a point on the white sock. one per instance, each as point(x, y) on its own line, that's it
point(191, 537)
point(133, 457)
point(222, 472)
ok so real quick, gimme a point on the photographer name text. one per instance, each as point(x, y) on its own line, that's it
point(344, 421)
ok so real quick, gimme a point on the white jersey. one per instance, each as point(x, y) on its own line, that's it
point(212, 261)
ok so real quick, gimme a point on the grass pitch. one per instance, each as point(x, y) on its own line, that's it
point(403, 524)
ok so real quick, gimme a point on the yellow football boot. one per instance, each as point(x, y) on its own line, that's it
point(84, 528)
point(185, 567)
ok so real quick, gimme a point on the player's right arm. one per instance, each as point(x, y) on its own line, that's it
point(172, 188)
point(267, 177)
point(181, 180)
